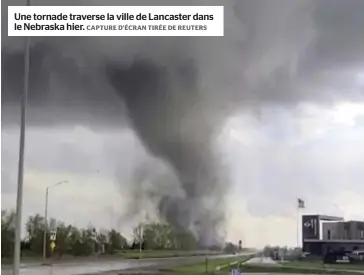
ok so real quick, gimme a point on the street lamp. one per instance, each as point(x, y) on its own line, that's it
point(19, 195)
point(45, 217)
point(141, 240)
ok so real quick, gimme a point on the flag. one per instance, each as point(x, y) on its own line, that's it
point(301, 203)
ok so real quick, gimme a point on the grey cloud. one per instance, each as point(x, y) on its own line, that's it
point(8, 179)
point(336, 54)
point(277, 175)
point(339, 24)
point(279, 47)
point(66, 151)
point(248, 56)
point(360, 121)
point(271, 173)
point(272, 53)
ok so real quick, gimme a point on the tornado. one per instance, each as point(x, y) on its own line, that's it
point(163, 101)
point(165, 106)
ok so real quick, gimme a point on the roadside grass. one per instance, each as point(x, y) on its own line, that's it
point(321, 265)
point(303, 267)
point(161, 254)
point(250, 268)
point(28, 258)
point(210, 266)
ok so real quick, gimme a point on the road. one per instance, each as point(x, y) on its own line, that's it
point(269, 261)
point(79, 268)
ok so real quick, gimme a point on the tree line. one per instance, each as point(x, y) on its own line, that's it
point(71, 240)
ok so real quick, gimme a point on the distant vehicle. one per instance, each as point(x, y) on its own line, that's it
point(338, 257)
point(357, 255)
point(275, 254)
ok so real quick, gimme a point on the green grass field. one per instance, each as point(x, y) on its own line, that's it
point(321, 265)
point(127, 254)
point(291, 270)
point(210, 266)
point(160, 254)
point(305, 267)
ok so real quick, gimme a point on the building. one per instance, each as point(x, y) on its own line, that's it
point(350, 230)
point(322, 234)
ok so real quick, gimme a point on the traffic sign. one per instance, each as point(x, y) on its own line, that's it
point(94, 234)
point(53, 235)
point(52, 245)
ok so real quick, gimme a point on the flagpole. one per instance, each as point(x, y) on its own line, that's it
point(298, 226)
point(300, 204)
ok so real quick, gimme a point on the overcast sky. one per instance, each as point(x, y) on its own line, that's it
point(299, 133)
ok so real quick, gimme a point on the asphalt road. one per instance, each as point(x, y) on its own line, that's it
point(79, 268)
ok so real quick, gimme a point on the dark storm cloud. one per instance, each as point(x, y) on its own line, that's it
point(177, 92)
point(336, 54)
point(339, 24)
point(317, 39)
point(74, 151)
point(61, 85)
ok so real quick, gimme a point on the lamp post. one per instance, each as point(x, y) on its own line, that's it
point(19, 196)
point(141, 241)
point(46, 217)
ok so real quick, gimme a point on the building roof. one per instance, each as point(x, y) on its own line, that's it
point(330, 218)
point(358, 241)
point(325, 217)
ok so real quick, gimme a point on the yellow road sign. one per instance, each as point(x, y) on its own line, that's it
point(53, 245)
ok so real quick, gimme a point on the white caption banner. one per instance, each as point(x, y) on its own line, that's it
point(116, 21)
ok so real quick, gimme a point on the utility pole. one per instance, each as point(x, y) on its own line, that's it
point(45, 225)
point(46, 218)
point(141, 240)
point(19, 197)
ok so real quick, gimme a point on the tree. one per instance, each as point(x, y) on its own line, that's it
point(150, 241)
point(35, 230)
point(267, 251)
point(101, 241)
point(155, 235)
point(88, 241)
point(138, 233)
point(74, 236)
point(164, 236)
point(75, 240)
point(231, 248)
point(115, 241)
point(85, 245)
point(185, 241)
point(7, 233)
point(84, 242)
point(63, 241)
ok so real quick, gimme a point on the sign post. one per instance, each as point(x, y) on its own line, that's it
point(53, 235)
point(52, 238)
point(94, 238)
point(141, 241)
point(52, 245)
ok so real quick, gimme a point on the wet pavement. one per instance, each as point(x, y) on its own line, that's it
point(98, 267)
